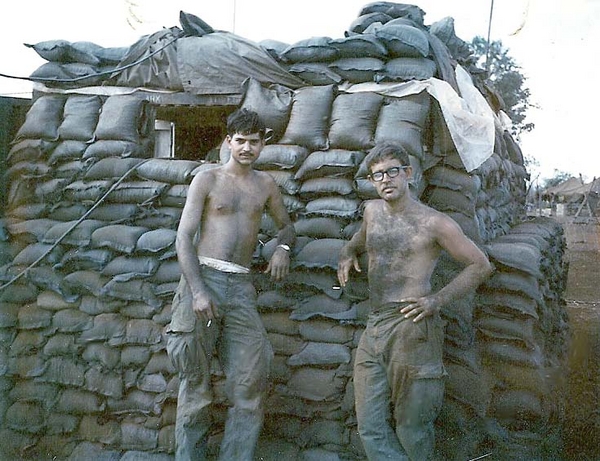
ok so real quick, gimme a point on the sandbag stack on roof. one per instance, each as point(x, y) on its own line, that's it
point(82, 346)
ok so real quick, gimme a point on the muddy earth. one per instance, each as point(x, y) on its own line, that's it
point(581, 429)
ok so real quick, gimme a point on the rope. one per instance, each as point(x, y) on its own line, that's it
point(75, 224)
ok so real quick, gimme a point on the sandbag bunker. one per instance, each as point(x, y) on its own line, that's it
point(88, 265)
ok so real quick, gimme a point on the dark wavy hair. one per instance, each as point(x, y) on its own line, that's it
point(244, 121)
point(385, 151)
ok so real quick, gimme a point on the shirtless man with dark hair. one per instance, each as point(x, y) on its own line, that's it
point(398, 369)
point(214, 308)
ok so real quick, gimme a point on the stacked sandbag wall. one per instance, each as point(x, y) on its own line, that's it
point(82, 344)
point(82, 350)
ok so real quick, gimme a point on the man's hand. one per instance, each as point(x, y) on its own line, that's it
point(204, 308)
point(279, 265)
point(419, 308)
point(346, 263)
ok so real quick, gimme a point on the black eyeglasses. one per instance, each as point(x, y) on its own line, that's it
point(391, 172)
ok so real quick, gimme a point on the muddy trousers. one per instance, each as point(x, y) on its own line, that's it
point(399, 387)
point(239, 340)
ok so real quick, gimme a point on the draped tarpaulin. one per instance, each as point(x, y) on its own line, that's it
point(218, 63)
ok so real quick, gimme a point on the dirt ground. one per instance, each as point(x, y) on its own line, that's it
point(581, 429)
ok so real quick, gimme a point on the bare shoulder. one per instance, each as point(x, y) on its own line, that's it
point(204, 180)
point(266, 181)
point(371, 207)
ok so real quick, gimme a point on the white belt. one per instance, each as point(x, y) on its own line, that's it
point(223, 266)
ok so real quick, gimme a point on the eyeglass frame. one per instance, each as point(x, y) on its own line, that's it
point(388, 172)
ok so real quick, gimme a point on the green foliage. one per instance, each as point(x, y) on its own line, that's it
point(506, 78)
point(559, 177)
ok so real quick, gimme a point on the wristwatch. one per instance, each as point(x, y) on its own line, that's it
point(283, 246)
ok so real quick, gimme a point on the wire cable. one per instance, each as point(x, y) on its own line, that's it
point(75, 224)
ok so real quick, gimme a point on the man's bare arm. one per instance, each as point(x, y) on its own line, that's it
point(187, 255)
point(279, 265)
point(477, 268)
point(349, 254)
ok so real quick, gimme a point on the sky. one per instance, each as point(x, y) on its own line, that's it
point(555, 42)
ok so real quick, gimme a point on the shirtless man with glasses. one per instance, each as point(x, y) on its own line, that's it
point(398, 369)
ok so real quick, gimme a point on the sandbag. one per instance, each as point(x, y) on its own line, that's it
point(314, 49)
point(364, 20)
point(353, 121)
point(406, 69)
point(122, 119)
point(460, 181)
point(29, 150)
point(444, 199)
point(396, 10)
point(336, 206)
point(175, 196)
point(402, 40)
point(115, 212)
point(118, 237)
point(27, 170)
point(80, 118)
point(274, 47)
point(170, 171)
point(67, 150)
point(33, 252)
point(71, 321)
point(315, 384)
point(272, 104)
point(402, 120)
point(92, 191)
point(309, 118)
point(315, 73)
point(124, 268)
point(313, 281)
point(62, 51)
point(25, 212)
point(43, 119)
point(334, 162)
point(106, 327)
point(274, 300)
point(81, 259)
point(319, 187)
point(63, 370)
point(285, 180)
point(292, 204)
point(159, 218)
point(110, 168)
point(512, 353)
point(115, 148)
point(320, 253)
point(26, 342)
point(281, 156)
point(512, 302)
point(320, 354)
point(80, 235)
point(25, 417)
point(519, 256)
point(156, 241)
point(103, 383)
point(318, 227)
point(131, 290)
point(70, 170)
point(137, 192)
point(358, 70)
point(320, 305)
point(168, 271)
point(360, 46)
